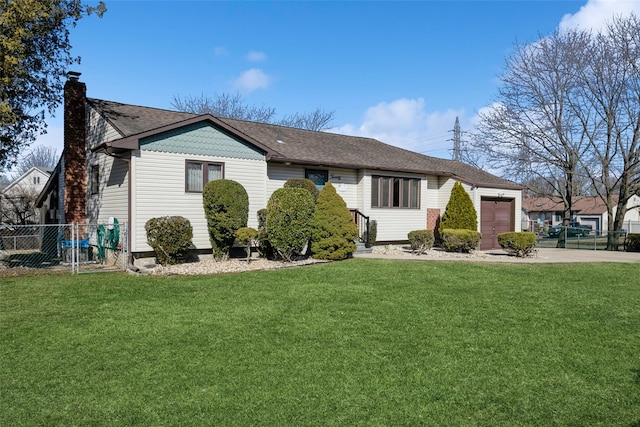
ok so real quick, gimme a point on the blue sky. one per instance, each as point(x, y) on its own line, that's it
point(400, 72)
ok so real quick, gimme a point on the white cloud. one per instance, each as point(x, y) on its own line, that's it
point(597, 13)
point(406, 123)
point(254, 56)
point(251, 80)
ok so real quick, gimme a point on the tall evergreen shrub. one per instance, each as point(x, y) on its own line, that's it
point(226, 206)
point(459, 213)
point(333, 230)
point(289, 214)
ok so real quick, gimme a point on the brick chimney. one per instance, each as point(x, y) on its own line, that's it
point(75, 154)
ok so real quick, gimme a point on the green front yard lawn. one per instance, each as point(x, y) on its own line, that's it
point(359, 342)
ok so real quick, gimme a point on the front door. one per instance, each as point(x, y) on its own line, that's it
point(496, 216)
point(318, 177)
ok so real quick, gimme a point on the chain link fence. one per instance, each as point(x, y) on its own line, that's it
point(581, 238)
point(73, 248)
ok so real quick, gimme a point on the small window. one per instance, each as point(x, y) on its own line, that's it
point(197, 174)
point(395, 192)
point(318, 177)
point(36, 180)
point(95, 179)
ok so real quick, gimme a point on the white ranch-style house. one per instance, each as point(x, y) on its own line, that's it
point(134, 163)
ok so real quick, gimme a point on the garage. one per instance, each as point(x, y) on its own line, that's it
point(497, 215)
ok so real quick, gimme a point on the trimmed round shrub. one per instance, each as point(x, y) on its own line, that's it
point(457, 240)
point(170, 237)
point(333, 230)
point(226, 206)
point(421, 240)
point(305, 183)
point(289, 214)
point(247, 236)
point(520, 244)
point(459, 213)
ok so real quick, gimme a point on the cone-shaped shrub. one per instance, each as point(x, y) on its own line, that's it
point(226, 206)
point(333, 230)
point(289, 214)
point(460, 213)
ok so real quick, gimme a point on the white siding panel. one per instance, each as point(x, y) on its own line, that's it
point(160, 191)
point(432, 196)
point(112, 198)
point(99, 130)
point(446, 185)
point(344, 180)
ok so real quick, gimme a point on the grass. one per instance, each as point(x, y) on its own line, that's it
point(360, 342)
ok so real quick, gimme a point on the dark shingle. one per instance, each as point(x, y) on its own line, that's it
point(304, 146)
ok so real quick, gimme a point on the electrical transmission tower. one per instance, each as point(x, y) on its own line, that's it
point(456, 140)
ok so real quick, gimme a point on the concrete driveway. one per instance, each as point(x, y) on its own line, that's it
point(543, 255)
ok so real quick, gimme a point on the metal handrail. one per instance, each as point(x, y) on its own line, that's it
point(362, 221)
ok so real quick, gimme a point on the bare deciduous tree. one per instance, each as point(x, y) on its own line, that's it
point(18, 207)
point(41, 156)
point(530, 133)
point(567, 118)
point(234, 107)
point(609, 111)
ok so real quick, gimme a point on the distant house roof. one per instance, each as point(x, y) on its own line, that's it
point(46, 171)
point(299, 146)
point(583, 205)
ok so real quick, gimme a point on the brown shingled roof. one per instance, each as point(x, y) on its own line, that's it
point(299, 146)
point(583, 205)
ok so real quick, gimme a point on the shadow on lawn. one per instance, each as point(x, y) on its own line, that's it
point(31, 260)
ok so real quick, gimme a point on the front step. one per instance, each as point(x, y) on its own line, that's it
point(362, 249)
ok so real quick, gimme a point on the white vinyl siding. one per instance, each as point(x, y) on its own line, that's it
point(99, 130)
point(345, 181)
point(160, 191)
point(112, 197)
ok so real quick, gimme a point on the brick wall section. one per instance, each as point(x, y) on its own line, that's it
point(433, 218)
point(433, 221)
point(75, 165)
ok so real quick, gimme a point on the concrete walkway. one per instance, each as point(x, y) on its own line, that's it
point(543, 255)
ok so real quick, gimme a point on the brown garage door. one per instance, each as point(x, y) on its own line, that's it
point(496, 216)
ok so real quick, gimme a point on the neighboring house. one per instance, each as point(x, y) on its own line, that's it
point(587, 210)
point(135, 163)
point(18, 199)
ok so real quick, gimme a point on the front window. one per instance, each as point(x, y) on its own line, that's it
point(198, 174)
point(318, 177)
point(395, 192)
